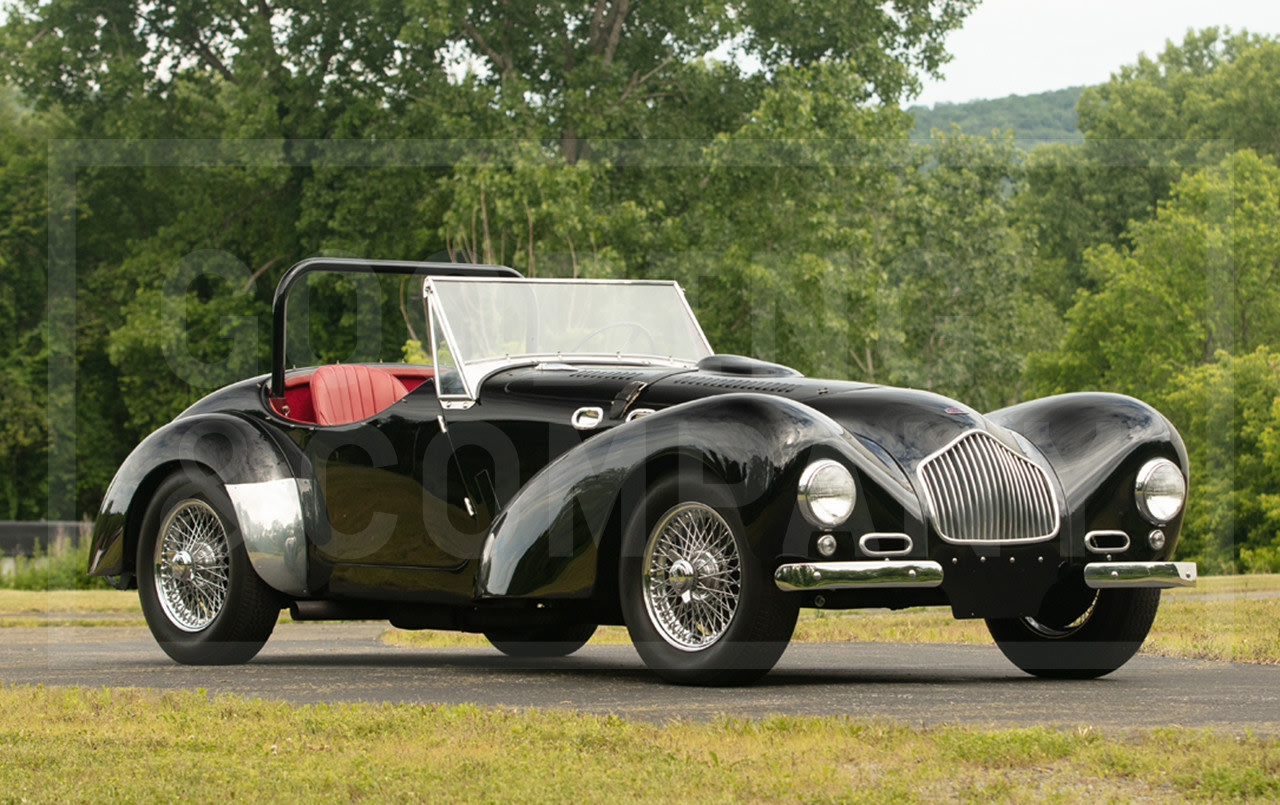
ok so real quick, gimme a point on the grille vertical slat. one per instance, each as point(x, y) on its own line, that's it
point(981, 491)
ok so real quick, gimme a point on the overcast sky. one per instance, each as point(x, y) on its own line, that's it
point(1020, 47)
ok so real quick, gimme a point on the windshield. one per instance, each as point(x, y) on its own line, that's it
point(484, 320)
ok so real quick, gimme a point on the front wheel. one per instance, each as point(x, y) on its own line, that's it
point(1099, 634)
point(698, 604)
point(202, 600)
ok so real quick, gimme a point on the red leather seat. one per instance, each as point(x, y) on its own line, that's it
point(352, 392)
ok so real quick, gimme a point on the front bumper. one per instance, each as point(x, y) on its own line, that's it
point(1111, 575)
point(858, 575)
point(921, 574)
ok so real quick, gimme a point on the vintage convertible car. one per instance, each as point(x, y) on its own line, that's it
point(572, 453)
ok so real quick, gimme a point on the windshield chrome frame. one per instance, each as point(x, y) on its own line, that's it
point(473, 372)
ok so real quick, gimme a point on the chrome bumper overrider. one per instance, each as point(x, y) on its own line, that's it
point(1103, 575)
point(855, 575)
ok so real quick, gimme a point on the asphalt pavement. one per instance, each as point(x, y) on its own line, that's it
point(913, 683)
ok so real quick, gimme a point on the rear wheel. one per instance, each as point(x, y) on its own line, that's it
point(1099, 632)
point(202, 600)
point(698, 605)
point(538, 642)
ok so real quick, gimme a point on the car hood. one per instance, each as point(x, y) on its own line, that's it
point(901, 426)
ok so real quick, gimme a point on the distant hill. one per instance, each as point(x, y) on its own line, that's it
point(1048, 116)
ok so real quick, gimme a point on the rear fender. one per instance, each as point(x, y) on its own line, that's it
point(268, 483)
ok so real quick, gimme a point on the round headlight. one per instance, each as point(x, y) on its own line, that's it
point(1160, 490)
point(826, 493)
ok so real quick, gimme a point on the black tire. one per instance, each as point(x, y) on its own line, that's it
point(541, 642)
point(717, 619)
point(209, 607)
point(1099, 637)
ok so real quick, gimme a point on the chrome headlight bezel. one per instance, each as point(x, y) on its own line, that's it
point(827, 493)
point(1160, 491)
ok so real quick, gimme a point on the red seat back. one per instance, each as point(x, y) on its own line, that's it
point(351, 392)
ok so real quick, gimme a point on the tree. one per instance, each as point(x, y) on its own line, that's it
point(1200, 277)
point(614, 68)
point(1229, 413)
point(956, 291)
point(1155, 120)
point(24, 237)
point(568, 83)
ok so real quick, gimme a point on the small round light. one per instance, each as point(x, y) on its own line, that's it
point(1156, 540)
point(826, 544)
point(826, 493)
point(1160, 490)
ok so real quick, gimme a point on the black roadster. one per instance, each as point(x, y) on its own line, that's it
point(570, 453)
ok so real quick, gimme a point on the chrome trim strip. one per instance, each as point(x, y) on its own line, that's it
point(1111, 575)
point(1090, 541)
point(858, 575)
point(270, 519)
point(474, 372)
point(866, 538)
point(966, 496)
point(437, 312)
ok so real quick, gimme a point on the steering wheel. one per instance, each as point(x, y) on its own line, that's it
point(636, 327)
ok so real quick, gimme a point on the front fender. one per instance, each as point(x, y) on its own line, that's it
point(269, 488)
point(546, 542)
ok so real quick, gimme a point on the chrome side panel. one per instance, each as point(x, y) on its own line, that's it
point(270, 516)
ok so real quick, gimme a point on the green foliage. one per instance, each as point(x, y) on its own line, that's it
point(956, 302)
point(1154, 121)
point(1045, 117)
point(63, 567)
point(1228, 413)
point(607, 140)
point(1199, 278)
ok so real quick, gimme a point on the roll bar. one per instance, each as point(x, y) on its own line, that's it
point(344, 265)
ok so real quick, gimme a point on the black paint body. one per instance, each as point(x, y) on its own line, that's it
point(386, 517)
point(503, 514)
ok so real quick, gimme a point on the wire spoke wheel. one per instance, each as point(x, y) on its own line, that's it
point(692, 576)
point(192, 566)
point(1065, 642)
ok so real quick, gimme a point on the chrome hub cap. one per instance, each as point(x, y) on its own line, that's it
point(692, 576)
point(681, 577)
point(192, 566)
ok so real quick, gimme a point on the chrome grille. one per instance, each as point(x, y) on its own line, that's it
point(981, 491)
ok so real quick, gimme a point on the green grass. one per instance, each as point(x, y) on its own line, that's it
point(123, 745)
point(80, 602)
point(64, 567)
